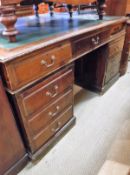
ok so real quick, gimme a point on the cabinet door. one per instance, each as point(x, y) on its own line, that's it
point(12, 152)
point(119, 5)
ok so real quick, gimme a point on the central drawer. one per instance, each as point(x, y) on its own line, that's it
point(85, 43)
point(37, 65)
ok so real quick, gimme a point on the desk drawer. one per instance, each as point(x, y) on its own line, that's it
point(46, 134)
point(116, 46)
point(35, 98)
point(100, 38)
point(46, 116)
point(117, 28)
point(37, 65)
point(86, 44)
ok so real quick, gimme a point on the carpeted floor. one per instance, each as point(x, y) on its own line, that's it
point(84, 149)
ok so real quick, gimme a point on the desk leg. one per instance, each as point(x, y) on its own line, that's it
point(8, 19)
point(101, 7)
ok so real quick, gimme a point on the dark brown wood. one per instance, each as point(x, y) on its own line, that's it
point(86, 43)
point(98, 69)
point(36, 65)
point(12, 152)
point(125, 53)
point(53, 140)
point(38, 122)
point(117, 7)
point(39, 77)
point(45, 116)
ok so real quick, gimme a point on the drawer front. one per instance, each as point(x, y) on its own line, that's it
point(34, 99)
point(43, 118)
point(100, 38)
point(34, 66)
point(81, 45)
point(116, 46)
point(42, 137)
point(86, 44)
point(117, 28)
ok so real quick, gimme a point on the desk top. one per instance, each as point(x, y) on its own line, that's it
point(35, 34)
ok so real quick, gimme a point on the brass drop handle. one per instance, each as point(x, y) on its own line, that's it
point(56, 129)
point(53, 114)
point(51, 94)
point(95, 40)
point(43, 62)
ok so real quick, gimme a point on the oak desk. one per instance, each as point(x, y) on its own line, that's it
point(38, 70)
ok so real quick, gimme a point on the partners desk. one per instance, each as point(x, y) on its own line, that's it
point(40, 69)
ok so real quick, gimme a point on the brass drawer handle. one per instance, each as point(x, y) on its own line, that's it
point(95, 41)
point(55, 113)
point(56, 129)
point(43, 62)
point(51, 94)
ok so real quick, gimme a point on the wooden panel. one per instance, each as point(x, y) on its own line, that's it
point(128, 7)
point(47, 115)
point(41, 104)
point(11, 146)
point(116, 7)
point(113, 68)
point(117, 28)
point(125, 52)
point(122, 7)
point(53, 128)
point(36, 65)
point(116, 46)
point(85, 44)
point(115, 51)
point(45, 92)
